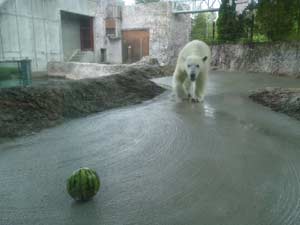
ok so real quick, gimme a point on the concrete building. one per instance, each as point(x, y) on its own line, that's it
point(147, 29)
point(101, 31)
point(42, 30)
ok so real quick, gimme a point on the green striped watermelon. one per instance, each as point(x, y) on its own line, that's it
point(83, 184)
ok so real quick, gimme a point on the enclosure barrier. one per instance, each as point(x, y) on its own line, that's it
point(15, 73)
point(195, 6)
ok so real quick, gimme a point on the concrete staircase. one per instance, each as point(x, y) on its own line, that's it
point(83, 56)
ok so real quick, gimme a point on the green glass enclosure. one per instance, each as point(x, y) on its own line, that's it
point(15, 73)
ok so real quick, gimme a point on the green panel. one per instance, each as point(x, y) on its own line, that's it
point(15, 73)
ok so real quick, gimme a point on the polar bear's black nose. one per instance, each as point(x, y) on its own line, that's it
point(193, 76)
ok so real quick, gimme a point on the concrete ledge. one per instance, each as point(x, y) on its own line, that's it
point(76, 71)
point(79, 70)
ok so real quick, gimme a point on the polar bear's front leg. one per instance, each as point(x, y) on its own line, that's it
point(193, 90)
point(199, 90)
point(179, 89)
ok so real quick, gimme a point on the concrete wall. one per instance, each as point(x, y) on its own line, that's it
point(180, 27)
point(168, 32)
point(114, 51)
point(32, 28)
point(99, 23)
point(275, 58)
point(70, 24)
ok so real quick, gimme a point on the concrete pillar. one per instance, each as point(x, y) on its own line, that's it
point(1, 46)
point(100, 37)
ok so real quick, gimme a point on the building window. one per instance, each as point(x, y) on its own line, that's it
point(110, 25)
point(103, 55)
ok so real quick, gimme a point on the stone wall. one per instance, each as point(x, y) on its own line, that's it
point(168, 32)
point(180, 28)
point(275, 58)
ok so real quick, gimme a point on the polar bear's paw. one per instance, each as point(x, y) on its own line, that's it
point(197, 100)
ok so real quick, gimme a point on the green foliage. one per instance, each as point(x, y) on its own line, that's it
point(296, 29)
point(145, 1)
point(229, 25)
point(246, 20)
point(202, 27)
point(276, 18)
point(261, 21)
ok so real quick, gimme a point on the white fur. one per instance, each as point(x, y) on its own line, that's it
point(194, 58)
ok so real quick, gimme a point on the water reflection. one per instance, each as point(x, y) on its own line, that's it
point(209, 110)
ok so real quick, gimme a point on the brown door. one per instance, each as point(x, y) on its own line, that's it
point(86, 34)
point(135, 45)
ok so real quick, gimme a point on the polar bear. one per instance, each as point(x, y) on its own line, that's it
point(191, 71)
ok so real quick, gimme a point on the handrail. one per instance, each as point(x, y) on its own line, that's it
point(76, 51)
point(195, 6)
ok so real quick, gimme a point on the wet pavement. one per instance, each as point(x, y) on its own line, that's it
point(228, 161)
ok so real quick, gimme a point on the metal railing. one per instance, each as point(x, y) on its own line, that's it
point(76, 51)
point(195, 6)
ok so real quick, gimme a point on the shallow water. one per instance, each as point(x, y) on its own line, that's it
point(228, 161)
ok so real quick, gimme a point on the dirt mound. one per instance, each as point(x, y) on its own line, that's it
point(285, 100)
point(27, 110)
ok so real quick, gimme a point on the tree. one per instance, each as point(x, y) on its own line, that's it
point(228, 24)
point(297, 18)
point(145, 1)
point(276, 18)
point(247, 19)
point(202, 27)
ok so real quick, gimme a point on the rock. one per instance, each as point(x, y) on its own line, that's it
point(285, 100)
point(147, 60)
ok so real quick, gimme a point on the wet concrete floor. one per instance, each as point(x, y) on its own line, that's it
point(228, 161)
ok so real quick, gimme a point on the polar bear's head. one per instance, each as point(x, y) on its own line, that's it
point(194, 65)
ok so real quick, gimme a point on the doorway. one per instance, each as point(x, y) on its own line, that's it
point(135, 45)
point(77, 35)
point(86, 34)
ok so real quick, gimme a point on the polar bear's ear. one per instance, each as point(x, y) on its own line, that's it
point(204, 58)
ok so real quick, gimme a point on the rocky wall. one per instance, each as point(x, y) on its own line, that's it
point(274, 58)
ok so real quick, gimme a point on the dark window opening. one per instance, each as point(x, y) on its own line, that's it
point(86, 34)
point(110, 31)
point(103, 55)
point(110, 25)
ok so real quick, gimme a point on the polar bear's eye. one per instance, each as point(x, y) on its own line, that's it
point(197, 66)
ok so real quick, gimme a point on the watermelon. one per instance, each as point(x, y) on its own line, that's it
point(83, 184)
